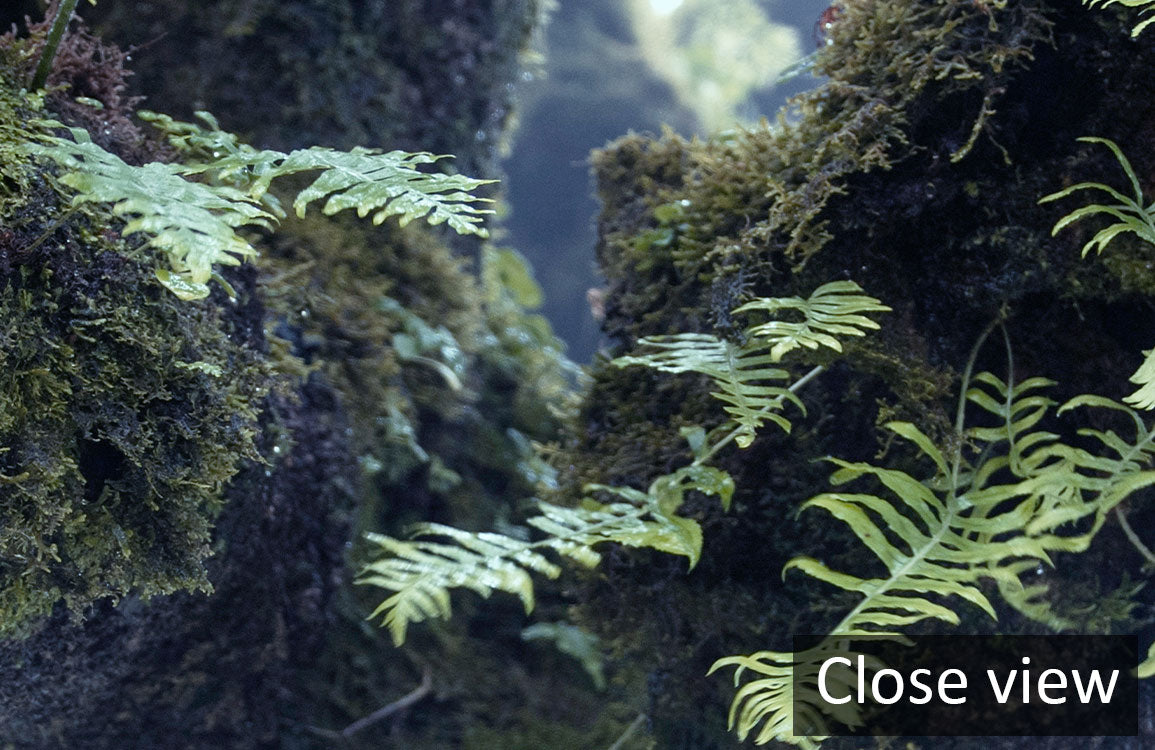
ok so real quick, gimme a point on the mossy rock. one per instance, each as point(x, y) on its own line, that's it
point(417, 74)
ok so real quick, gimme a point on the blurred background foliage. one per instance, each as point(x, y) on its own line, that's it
point(611, 67)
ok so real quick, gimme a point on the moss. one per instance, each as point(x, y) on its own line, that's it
point(417, 75)
point(122, 414)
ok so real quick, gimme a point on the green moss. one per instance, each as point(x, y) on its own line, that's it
point(381, 73)
point(122, 413)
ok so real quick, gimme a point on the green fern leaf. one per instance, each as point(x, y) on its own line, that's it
point(192, 223)
point(370, 182)
point(195, 224)
point(1144, 377)
point(421, 573)
point(936, 538)
point(387, 185)
point(832, 310)
point(1145, 6)
point(1132, 214)
point(744, 375)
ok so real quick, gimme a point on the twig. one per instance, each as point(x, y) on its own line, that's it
point(620, 742)
point(50, 230)
point(400, 704)
point(1133, 537)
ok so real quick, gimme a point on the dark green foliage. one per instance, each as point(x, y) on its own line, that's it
point(363, 325)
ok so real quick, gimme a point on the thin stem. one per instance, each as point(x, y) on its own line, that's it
point(794, 388)
point(400, 704)
point(620, 742)
point(1133, 537)
point(59, 25)
point(960, 416)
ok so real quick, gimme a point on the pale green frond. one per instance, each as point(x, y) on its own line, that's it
point(660, 527)
point(421, 573)
point(192, 212)
point(1145, 7)
point(1144, 377)
point(365, 180)
point(832, 310)
point(937, 537)
point(1131, 214)
point(194, 224)
point(742, 375)
point(745, 375)
point(764, 707)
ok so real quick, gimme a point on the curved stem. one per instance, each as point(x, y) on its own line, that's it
point(59, 24)
point(621, 741)
point(794, 388)
point(1133, 537)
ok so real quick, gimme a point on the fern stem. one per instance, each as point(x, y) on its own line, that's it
point(400, 704)
point(729, 438)
point(620, 742)
point(1133, 537)
point(59, 25)
point(951, 496)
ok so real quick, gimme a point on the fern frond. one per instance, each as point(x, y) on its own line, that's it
point(1144, 377)
point(744, 375)
point(1131, 214)
point(741, 374)
point(1145, 6)
point(991, 517)
point(832, 310)
point(764, 706)
point(195, 223)
point(1121, 468)
point(421, 573)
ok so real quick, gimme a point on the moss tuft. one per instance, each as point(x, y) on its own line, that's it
point(122, 412)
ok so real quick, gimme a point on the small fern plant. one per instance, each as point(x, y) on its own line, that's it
point(998, 501)
point(420, 572)
point(1133, 214)
point(743, 373)
point(194, 212)
point(1146, 8)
